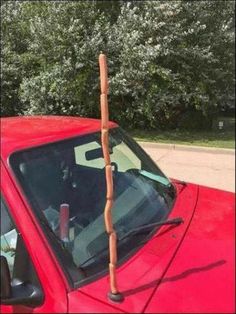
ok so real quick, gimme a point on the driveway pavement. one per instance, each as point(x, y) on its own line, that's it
point(205, 166)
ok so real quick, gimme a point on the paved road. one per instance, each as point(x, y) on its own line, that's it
point(210, 167)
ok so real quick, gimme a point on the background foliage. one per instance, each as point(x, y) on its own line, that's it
point(171, 63)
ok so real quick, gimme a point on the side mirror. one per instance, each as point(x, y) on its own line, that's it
point(17, 292)
point(5, 279)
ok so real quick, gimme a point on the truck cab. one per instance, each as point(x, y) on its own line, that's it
point(48, 162)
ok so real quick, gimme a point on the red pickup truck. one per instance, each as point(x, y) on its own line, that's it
point(175, 240)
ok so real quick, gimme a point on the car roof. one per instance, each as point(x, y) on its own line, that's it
point(18, 133)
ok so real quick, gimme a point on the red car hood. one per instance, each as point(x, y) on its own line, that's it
point(201, 276)
point(185, 268)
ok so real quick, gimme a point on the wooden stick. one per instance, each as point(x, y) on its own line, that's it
point(114, 295)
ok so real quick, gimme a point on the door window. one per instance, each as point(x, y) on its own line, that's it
point(13, 248)
point(8, 237)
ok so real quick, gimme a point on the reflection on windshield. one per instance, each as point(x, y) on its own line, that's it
point(72, 172)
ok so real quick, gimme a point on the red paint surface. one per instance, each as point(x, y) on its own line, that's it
point(22, 132)
point(201, 278)
point(182, 269)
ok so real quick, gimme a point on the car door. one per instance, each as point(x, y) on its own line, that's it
point(29, 258)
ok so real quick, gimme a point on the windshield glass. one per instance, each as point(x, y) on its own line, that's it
point(72, 172)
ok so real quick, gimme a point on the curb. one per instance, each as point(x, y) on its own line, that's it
point(179, 147)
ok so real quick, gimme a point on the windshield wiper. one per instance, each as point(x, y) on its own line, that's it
point(144, 228)
point(173, 221)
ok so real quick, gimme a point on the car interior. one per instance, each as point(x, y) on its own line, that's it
point(76, 176)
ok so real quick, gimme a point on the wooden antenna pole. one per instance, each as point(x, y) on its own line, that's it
point(114, 294)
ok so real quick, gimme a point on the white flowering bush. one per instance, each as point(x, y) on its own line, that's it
point(166, 58)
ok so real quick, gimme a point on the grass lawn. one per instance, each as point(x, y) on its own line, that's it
point(225, 139)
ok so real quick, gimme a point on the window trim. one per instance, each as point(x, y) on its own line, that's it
point(70, 269)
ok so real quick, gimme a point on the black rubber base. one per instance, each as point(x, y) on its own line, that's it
point(115, 297)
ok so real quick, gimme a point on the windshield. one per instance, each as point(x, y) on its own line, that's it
point(72, 172)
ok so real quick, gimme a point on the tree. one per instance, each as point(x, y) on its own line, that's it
point(166, 59)
point(68, 38)
point(15, 34)
point(172, 56)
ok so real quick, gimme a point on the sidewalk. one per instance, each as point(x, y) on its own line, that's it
point(188, 148)
point(208, 166)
